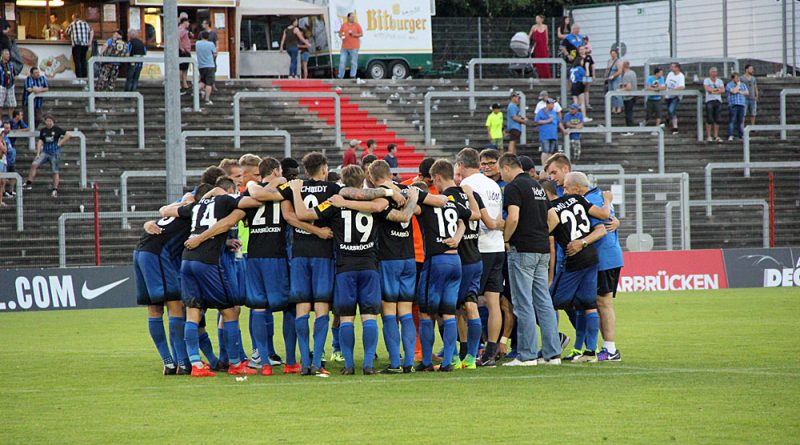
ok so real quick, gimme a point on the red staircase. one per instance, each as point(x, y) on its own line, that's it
point(356, 123)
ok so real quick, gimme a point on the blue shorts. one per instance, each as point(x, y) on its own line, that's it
point(575, 290)
point(312, 280)
point(470, 283)
point(438, 285)
point(398, 280)
point(157, 278)
point(361, 288)
point(205, 286)
point(267, 284)
point(237, 273)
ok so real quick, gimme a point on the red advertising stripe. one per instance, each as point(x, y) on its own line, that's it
point(673, 270)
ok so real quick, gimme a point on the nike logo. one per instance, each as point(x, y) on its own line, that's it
point(91, 294)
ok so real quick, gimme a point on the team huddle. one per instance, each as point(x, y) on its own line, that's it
point(251, 234)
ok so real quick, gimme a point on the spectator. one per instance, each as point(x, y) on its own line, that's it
point(514, 122)
point(52, 29)
point(564, 28)
point(291, 40)
point(549, 123)
point(184, 50)
point(114, 47)
point(655, 83)
point(675, 81)
point(588, 67)
point(577, 77)
point(572, 42)
point(48, 149)
point(205, 25)
point(3, 169)
point(350, 33)
point(18, 122)
point(737, 101)
point(35, 83)
point(628, 83)
point(391, 159)
point(305, 51)
point(714, 88)
point(574, 119)
point(8, 100)
point(82, 35)
point(542, 104)
point(613, 73)
point(370, 150)
point(11, 160)
point(749, 80)
point(135, 48)
point(540, 39)
point(494, 125)
point(350, 153)
point(206, 51)
point(526, 235)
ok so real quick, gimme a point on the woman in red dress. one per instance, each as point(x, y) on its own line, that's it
point(539, 38)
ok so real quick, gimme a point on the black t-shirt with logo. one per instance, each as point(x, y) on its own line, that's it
point(356, 236)
point(468, 247)
point(314, 193)
point(396, 240)
point(267, 230)
point(532, 234)
point(204, 215)
point(574, 224)
point(174, 231)
point(440, 223)
point(50, 138)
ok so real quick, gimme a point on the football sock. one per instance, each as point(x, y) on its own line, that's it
point(441, 329)
point(232, 337)
point(270, 325)
point(610, 346)
point(301, 327)
point(176, 328)
point(253, 342)
point(259, 333)
point(461, 349)
point(409, 338)
point(208, 349)
point(450, 332)
point(240, 344)
point(473, 336)
point(347, 339)
point(223, 349)
point(391, 336)
point(573, 318)
point(156, 326)
point(370, 341)
point(289, 337)
point(592, 330)
point(335, 340)
point(483, 313)
point(426, 340)
point(320, 335)
point(580, 330)
point(192, 343)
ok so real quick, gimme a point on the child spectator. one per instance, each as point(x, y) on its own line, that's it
point(574, 119)
point(494, 124)
point(653, 108)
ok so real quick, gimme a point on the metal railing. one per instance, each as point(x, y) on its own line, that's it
point(62, 226)
point(642, 93)
point(18, 204)
point(686, 234)
point(88, 95)
point(237, 98)
point(620, 176)
point(145, 59)
point(609, 130)
point(786, 92)
point(504, 61)
point(471, 94)
point(123, 186)
point(711, 166)
point(287, 138)
point(746, 139)
point(692, 60)
point(32, 135)
point(720, 203)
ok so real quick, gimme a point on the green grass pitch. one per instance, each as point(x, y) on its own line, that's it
point(698, 367)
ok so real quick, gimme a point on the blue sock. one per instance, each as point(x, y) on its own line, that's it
point(335, 340)
point(426, 340)
point(232, 337)
point(592, 330)
point(370, 342)
point(391, 336)
point(473, 336)
point(347, 338)
point(156, 327)
point(176, 326)
point(450, 333)
point(253, 341)
point(259, 333)
point(301, 327)
point(240, 344)
point(320, 335)
point(289, 337)
point(580, 330)
point(223, 349)
point(269, 322)
point(192, 343)
point(573, 318)
point(409, 338)
point(208, 350)
point(483, 313)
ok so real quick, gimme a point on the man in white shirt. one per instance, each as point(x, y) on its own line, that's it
point(675, 81)
point(714, 88)
point(490, 243)
point(542, 104)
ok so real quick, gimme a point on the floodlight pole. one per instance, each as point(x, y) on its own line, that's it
point(175, 158)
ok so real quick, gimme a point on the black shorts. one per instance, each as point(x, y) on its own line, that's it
point(207, 76)
point(514, 135)
point(713, 112)
point(607, 281)
point(11, 169)
point(492, 276)
point(578, 89)
point(654, 109)
point(184, 66)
